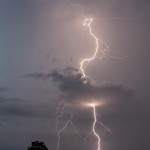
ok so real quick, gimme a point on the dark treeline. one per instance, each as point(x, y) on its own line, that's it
point(37, 145)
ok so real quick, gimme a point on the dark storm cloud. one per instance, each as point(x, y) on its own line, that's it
point(21, 108)
point(38, 76)
point(73, 87)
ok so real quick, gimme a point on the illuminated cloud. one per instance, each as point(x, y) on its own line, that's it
point(76, 89)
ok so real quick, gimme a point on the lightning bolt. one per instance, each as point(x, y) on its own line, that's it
point(83, 64)
point(93, 127)
point(91, 131)
point(62, 106)
point(87, 22)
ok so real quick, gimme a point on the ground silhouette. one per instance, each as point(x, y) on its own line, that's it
point(37, 145)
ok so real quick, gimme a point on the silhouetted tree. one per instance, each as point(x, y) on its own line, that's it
point(37, 145)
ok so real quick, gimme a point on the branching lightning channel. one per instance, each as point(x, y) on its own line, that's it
point(91, 131)
point(60, 131)
point(93, 127)
point(87, 22)
point(69, 121)
point(59, 115)
point(100, 51)
point(62, 106)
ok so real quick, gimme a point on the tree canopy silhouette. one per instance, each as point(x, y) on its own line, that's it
point(37, 145)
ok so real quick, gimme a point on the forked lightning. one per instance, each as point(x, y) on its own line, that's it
point(87, 22)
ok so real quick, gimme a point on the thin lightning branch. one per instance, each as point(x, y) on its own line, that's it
point(115, 57)
point(66, 124)
point(87, 136)
point(60, 131)
point(77, 5)
point(59, 106)
point(60, 115)
point(104, 126)
point(73, 126)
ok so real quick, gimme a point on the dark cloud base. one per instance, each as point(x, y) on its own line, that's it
point(75, 88)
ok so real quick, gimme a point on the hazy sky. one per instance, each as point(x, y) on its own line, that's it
point(39, 39)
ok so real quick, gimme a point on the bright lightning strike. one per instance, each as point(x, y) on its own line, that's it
point(93, 105)
point(87, 22)
point(83, 64)
point(93, 127)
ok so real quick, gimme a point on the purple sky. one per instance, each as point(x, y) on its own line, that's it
point(40, 36)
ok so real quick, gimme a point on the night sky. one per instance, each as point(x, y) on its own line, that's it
point(42, 43)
